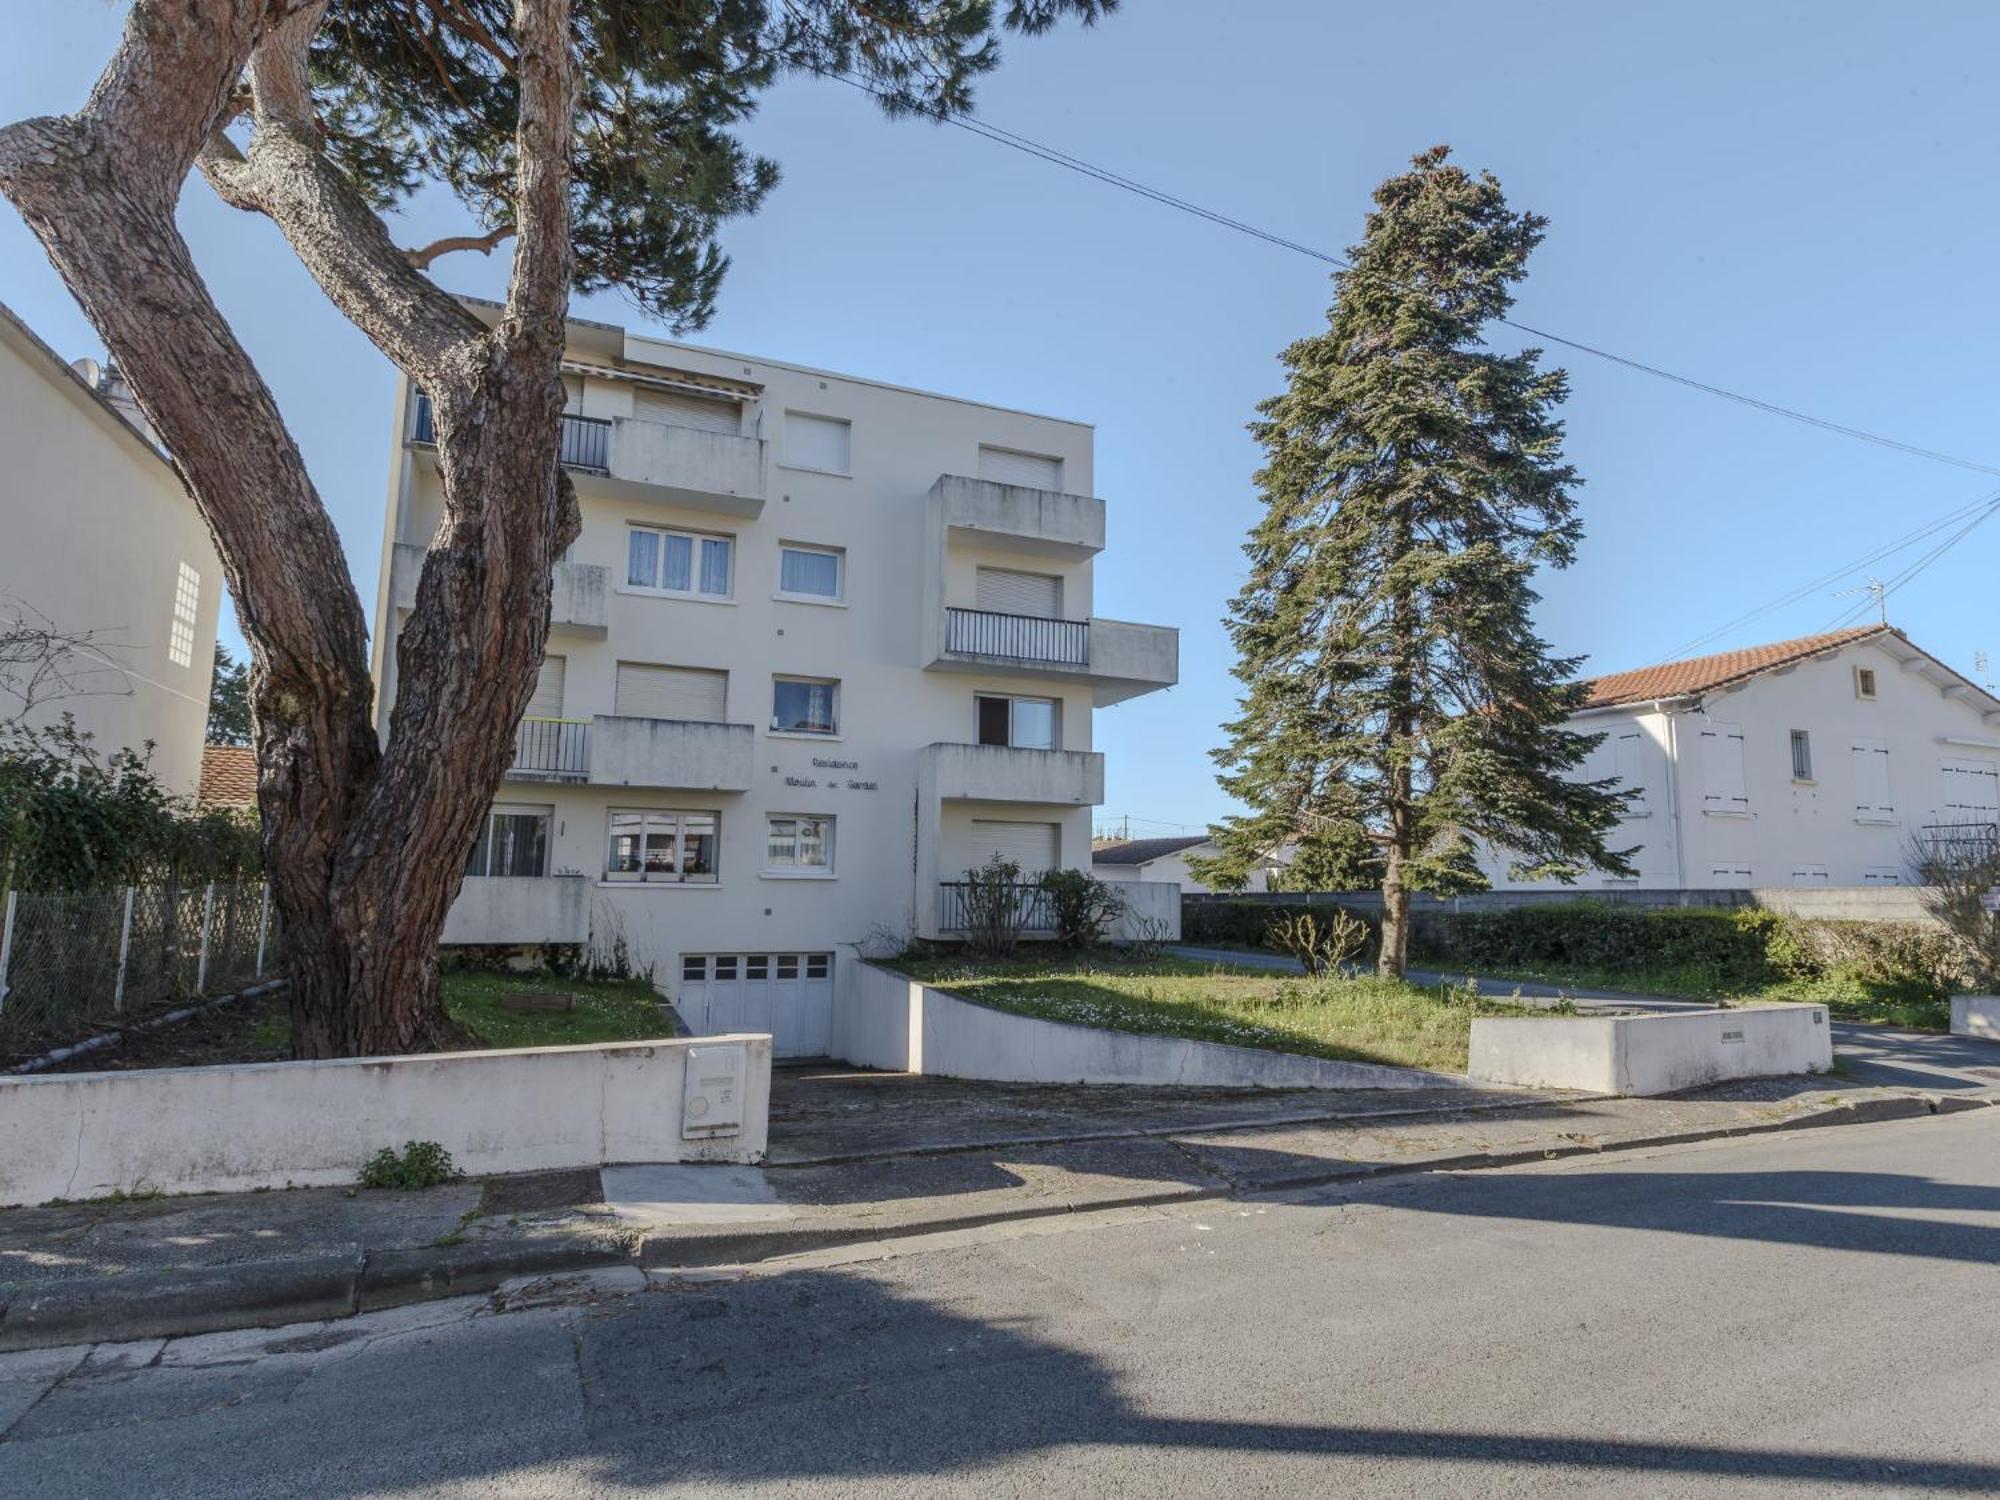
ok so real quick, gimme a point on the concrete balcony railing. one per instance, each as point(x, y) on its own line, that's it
point(579, 602)
point(678, 754)
point(520, 909)
point(1018, 518)
point(1005, 773)
point(1121, 660)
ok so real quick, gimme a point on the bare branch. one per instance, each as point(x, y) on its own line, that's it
point(41, 663)
point(421, 258)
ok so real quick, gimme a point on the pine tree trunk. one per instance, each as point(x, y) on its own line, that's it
point(1395, 955)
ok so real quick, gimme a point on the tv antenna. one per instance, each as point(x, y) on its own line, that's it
point(1874, 588)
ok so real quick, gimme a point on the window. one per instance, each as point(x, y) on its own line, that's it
point(823, 443)
point(1810, 875)
point(1864, 683)
point(814, 573)
point(679, 562)
point(805, 705)
point(187, 608)
point(1881, 875)
point(1628, 757)
point(1871, 781)
point(1801, 755)
point(1008, 466)
point(798, 845)
point(1007, 591)
point(662, 848)
point(690, 694)
point(694, 968)
point(512, 841)
point(1024, 723)
point(1723, 789)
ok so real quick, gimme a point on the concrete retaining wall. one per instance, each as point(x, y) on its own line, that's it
point(307, 1124)
point(1152, 910)
point(1655, 1054)
point(1976, 1015)
point(886, 1020)
point(1851, 903)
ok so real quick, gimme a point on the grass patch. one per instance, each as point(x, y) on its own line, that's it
point(618, 1010)
point(1847, 997)
point(1366, 1019)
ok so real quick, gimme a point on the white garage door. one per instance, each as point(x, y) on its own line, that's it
point(789, 995)
point(1035, 847)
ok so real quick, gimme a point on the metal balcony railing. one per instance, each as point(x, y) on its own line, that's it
point(1030, 906)
point(1027, 638)
point(553, 748)
point(586, 441)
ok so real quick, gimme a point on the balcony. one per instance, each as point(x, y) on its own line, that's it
point(1121, 660)
point(1005, 773)
point(551, 750)
point(651, 463)
point(622, 750)
point(1018, 518)
point(1025, 908)
point(578, 602)
point(520, 909)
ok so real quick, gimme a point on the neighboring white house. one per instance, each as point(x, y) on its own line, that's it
point(1809, 762)
point(1166, 860)
point(98, 538)
point(823, 645)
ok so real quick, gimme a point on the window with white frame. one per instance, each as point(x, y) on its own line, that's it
point(1801, 755)
point(822, 443)
point(805, 705)
point(649, 846)
point(818, 574)
point(1024, 723)
point(686, 563)
point(187, 609)
point(798, 844)
point(512, 841)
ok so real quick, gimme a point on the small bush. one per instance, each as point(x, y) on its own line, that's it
point(422, 1164)
point(1321, 947)
point(1082, 906)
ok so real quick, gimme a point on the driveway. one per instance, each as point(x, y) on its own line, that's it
point(1880, 1056)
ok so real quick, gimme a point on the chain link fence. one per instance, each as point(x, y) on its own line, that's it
point(71, 962)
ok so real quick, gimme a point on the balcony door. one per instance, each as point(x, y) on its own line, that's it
point(681, 409)
point(1035, 847)
point(1005, 592)
point(548, 700)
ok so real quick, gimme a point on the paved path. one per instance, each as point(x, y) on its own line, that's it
point(1880, 1056)
point(1804, 1315)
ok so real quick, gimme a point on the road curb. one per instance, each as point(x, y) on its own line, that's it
point(177, 1303)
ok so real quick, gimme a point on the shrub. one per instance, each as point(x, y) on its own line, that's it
point(1247, 924)
point(1321, 947)
point(995, 908)
point(422, 1164)
point(1082, 905)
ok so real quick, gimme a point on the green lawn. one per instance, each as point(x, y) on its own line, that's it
point(619, 1010)
point(1355, 1020)
point(1846, 996)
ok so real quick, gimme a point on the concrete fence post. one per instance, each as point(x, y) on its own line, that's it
point(263, 926)
point(201, 964)
point(6, 945)
point(124, 949)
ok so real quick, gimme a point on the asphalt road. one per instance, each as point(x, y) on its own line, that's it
point(1879, 1056)
point(1809, 1314)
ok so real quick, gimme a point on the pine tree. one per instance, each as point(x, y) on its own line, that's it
point(1395, 691)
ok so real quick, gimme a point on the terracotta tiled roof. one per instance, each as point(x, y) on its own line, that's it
point(1701, 674)
point(228, 776)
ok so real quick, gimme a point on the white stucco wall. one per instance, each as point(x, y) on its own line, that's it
point(1173, 869)
point(305, 1124)
point(96, 527)
point(1651, 1054)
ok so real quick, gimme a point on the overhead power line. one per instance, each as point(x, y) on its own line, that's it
point(1918, 566)
point(1105, 175)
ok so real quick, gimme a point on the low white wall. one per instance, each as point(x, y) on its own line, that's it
point(1656, 1054)
point(885, 1020)
point(1976, 1015)
point(308, 1124)
point(1152, 910)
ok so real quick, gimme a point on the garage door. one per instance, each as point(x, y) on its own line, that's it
point(789, 995)
point(1035, 847)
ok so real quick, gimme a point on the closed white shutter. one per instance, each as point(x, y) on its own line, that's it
point(1871, 779)
point(1881, 875)
point(1809, 875)
point(1035, 847)
point(1730, 877)
point(1723, 789)
point(684, 409)
point(817, 442)
point(649, 692)
point(548, 700)
point(1629, 760)
point(1006, 592)
point(1970, 791)
point(1004, 466)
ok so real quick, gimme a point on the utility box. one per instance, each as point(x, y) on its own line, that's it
point(712, 1091)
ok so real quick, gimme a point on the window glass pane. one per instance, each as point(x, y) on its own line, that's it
point(660, 849)
point(757, 967)
point(642, 560)
point(781, 842)
point(714, 566)
point(1034, 724)
point(815, 843)
point(816, 573)
point(627, 831)
point(476, 865)
point(678, 563)
point(694, 968)
point(802, 707)
point(788, 966)
point(697, 847)
point(993, 721)
point(818, 966)
point(725, 966)
point(519, 844)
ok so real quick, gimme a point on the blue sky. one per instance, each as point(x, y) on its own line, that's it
point(1790, 200)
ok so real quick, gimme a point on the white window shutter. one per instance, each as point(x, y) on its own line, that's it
point(683, 409)
point(1629, 764)
point(817, 443)
point(1871, 779)
point(548, 700)
point(1005, 466)
point(687, 693)
point(1723, 787)
point(1035, 847)
point(1004, 591)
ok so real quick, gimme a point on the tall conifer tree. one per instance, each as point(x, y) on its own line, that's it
point(1396, 697)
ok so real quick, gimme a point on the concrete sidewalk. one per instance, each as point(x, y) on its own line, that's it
point(109, 1271)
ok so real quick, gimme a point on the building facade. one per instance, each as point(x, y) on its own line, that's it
point(1809, 762)
point(104, 547)
point(1166, 860)
point(823, 645)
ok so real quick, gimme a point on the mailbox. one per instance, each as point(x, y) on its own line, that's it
point(712, 1091)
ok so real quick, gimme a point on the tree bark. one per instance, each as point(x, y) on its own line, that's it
point(365, 848)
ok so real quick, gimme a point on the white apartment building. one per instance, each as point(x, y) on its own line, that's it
point(1809, 762)
point(824, 644)
point(101, 540)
